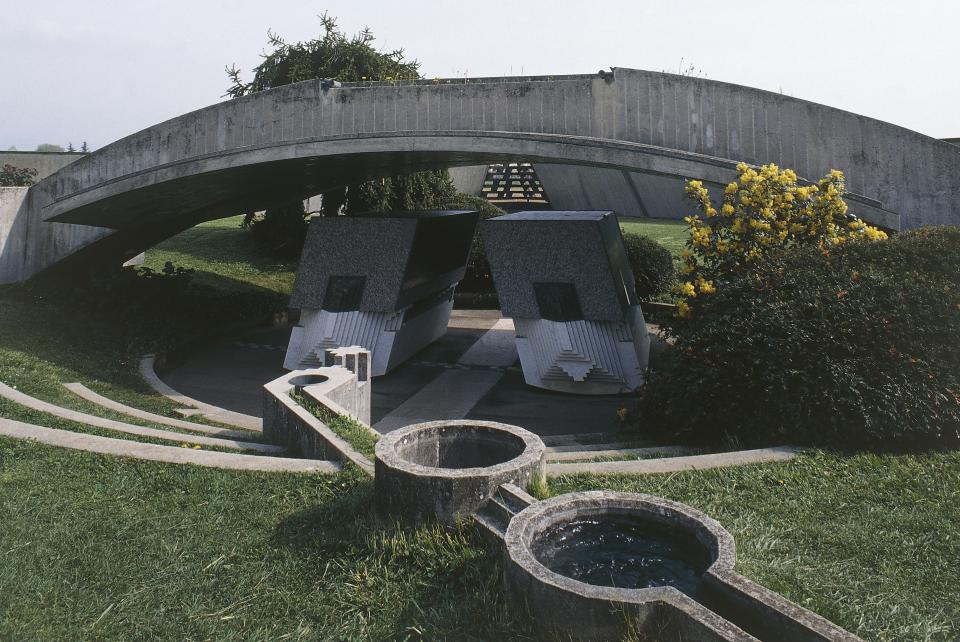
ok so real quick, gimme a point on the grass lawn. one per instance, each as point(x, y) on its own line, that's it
point(221, 251)
point(94, 547)
point(670, 233)
point(105, 548)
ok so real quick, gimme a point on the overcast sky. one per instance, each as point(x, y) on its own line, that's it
point(97, 70)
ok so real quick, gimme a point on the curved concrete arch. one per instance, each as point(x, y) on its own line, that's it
point(294, 141)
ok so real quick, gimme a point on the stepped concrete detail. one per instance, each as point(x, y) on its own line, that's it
point(291, 142)
point(86, 393)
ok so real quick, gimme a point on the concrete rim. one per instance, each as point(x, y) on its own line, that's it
point(539, 516)
point(386, 449)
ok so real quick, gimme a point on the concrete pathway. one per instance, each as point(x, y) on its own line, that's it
point(454, 393)
point(118, 426)
point(675, 464)
point(166, 454)
point(497, 347)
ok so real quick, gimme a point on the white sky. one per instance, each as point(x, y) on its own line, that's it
point(97, 70)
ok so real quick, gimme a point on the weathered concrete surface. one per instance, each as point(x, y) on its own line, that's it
point(295, 141)
point(45, 163)
point(288, 423)
point(447, 470)
point(28, 244)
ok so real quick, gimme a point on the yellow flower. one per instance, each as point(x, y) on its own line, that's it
point(731, 188)
point(727, 210)
point(683, 310)
point(687, 289)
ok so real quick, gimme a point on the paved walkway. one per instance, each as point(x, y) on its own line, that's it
point(454, 393)
point(230, 374)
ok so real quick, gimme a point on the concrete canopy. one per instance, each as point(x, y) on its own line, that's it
point(296, 141)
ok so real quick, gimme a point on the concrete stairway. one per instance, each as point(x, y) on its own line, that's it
point(496, 514)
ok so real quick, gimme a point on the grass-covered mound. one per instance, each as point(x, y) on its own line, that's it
point(858, 346)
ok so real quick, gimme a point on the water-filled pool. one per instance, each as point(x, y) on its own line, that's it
point(622, 551)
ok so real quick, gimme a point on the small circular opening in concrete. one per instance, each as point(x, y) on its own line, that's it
point(307, 380)
point(456, 446)
point(622, 550)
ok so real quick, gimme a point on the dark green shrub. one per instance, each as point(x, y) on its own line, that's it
point(856, 347)
point(11, 176)
point(652, 265)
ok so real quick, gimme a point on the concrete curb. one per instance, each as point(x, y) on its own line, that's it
point(86, 393)
point(165, 454)
point(674, 464)
point(625, 453)
point(214, 413)
point(91, 420)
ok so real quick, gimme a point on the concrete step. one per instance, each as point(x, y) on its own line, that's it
point(156, 452)
point(33, 403)
point(625, 453)
point(104, 402)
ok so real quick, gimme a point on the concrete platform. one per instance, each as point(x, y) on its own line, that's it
point(230, 374)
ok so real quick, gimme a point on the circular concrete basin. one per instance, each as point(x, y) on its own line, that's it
point(446, 470)
point(585, 562)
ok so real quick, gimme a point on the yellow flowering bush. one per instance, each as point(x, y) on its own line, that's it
point(761, 211)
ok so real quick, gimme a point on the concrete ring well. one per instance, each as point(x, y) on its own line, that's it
point(729, 607)
point(446, 470)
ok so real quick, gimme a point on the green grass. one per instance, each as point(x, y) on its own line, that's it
point(98, 548)
point(870, 542)
point(104, 548)
point(223, 255)
point(355, 434)
point(94, 547)
point(671, 234)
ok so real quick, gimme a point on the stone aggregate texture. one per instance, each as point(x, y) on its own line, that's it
point(379, 247)
point(296, 141)
point(582, 248)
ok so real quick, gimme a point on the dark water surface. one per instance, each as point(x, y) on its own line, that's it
point(622, 551)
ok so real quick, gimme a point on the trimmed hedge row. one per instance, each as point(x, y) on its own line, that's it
point(856, 347)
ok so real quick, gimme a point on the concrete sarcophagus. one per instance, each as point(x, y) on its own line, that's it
point(383, 281)
point(565, 280)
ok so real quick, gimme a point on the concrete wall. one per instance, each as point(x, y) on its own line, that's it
point(909, 173)
point(297, 140)
point(45, 163)
point(27, 243)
